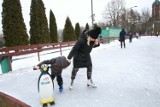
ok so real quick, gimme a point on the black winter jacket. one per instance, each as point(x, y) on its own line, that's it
point(122, 35)
point(81, 52)
point(57, 64)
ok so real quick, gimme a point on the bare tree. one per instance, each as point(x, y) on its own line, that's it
point(134, 21)
point(146, 20)
point(146, 14)
point(113, 11)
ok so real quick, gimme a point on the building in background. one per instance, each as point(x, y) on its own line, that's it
point(156, 9)
point(156, 17)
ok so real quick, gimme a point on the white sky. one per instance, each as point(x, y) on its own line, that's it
point(77, 10)
point(127, 77)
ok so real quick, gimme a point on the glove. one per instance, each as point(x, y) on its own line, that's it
point(69, 60)
point(35, 67)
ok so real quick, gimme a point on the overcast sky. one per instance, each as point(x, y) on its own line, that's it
point(77, 10)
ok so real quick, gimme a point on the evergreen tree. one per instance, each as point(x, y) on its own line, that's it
point(39, 31)
point(77, 30)
point(14, 28)
point(68, 31)
point(2, 42)
point(87, 26)
point(53, 28)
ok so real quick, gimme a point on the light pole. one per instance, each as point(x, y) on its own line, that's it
point(92, 15)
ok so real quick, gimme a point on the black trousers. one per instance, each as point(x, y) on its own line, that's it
point(59, 79)
point(123, 44)
point(75, 70)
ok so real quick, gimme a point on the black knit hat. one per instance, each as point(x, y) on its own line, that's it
point(94, 33)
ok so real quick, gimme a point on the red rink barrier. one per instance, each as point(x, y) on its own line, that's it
point(9, 101)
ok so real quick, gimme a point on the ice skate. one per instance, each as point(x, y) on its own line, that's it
point(52, 103)
point(71, 85)
point(91, 84)
point(61, 89)
point(45, 105)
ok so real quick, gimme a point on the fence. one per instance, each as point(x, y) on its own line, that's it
point(22, 50)
point(28, 49)
point(9, 101)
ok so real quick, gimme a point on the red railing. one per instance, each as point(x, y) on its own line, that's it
point(22, 50)
point(9, 101)
point(28, 49)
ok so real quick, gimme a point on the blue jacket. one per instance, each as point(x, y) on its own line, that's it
point(122, 35)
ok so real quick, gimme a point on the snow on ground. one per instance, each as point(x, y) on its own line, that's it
point(127, 77)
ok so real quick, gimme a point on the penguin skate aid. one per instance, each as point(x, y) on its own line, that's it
point(45, 88)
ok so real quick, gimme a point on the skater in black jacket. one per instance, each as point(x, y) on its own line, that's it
point(57, 65)
point(122, 37)
point(81, 54)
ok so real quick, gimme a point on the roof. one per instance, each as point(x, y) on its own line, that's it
point(156, 3)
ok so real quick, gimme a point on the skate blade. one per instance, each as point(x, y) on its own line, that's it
point(92, 86)
point(70, 87)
